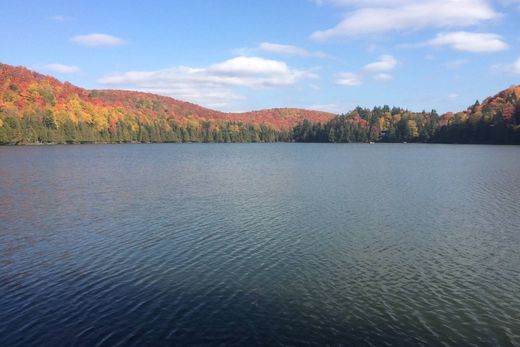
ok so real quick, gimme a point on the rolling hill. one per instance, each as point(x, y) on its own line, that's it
point(494, 121)
point(35, 108)
point(30, 99)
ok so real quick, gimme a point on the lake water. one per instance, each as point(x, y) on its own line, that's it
point(254, 244)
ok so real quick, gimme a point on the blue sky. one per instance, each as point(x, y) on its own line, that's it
point(236, 55)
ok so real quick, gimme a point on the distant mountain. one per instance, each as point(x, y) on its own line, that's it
point(35, 108)
point(62, 112)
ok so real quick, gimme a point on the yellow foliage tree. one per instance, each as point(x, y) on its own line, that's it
point(414, 131)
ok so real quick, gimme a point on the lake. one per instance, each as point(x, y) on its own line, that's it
point(259, 244)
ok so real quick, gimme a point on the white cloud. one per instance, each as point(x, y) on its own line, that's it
point(383, 77)
point(97, 40)
point(211, 85)
point(348, 79)
point(456, 64)
point(59, 18)
point(453, 96)
point(385, 63)
point(516, 66)
point(379, 71)
point(376, 17)
point(289, 50)
point(470, 42)
point(61, 68)
point(332, 108)
point(513, 68)
point(360, 2)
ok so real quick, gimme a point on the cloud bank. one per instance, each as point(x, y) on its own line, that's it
point(470, 42)
point(213, 85)
point(378, 17)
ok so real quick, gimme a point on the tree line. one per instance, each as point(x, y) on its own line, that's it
point(484, 125)
point(480, 124)
point(31, 130)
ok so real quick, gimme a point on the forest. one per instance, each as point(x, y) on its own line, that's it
point(36, 130)
point(38, 109)
point(495, 122)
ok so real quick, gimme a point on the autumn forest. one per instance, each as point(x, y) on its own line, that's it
point(38, 109)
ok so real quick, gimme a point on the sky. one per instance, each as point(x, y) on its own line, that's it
point(241, 55)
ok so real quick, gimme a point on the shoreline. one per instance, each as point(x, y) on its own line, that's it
point(45, 144)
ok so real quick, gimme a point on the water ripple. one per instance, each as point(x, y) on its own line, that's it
point(279, 244)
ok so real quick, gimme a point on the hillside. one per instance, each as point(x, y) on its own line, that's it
point(494, 121)
point(40, 109)
point(62, 112)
